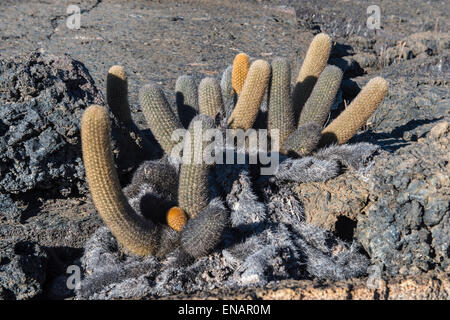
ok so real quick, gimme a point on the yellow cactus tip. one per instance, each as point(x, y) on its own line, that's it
point(94, 112)
point(176, 218)
point(260, 63)
point(118, 71)
point(241, 64)
point(379, 82)
point(322, 37)
point(241, 58)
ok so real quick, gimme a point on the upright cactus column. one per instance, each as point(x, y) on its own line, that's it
point(186, 87)
point(281, 112)
point(247, 107)
point(186, 98)
point(160, 117)
point(210, 97)
point(193, 190)
point(228, 94)
point(322, 96)
point(117, 94)
point(315, 61)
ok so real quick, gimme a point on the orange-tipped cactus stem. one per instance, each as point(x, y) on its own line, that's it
point(344, 127)
point(176, 218)
point(241, 65)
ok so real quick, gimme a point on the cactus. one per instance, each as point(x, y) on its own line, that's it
point(241, 65)
point(117, 99)
point(189, 219)
point(160, 117)
point(176, 218)
point(168, 208)
point(303, 140)
point(186, 99)
point(317, 107)
point(202, 234)
point(136, 234)
point(186, 88)
point(159, 173)
point(152, 190)
point(226, 82)
point(209, 97)
point(341, 129)
point(281, 112)
point(117, 94)
point(315, 61)
point(247, 107)
point(228, 94)
point(193, 191)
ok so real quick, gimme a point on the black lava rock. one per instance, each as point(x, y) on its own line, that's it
point(406, 228)
point(8, 209)
point(22, 270)
point(42, 98)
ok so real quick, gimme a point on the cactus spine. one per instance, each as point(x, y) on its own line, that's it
point(160, 117)
point(193, 190)
point(341, 129)
point(138, 235)
point(281, 112)
point(117, 94)
point(209, 97)
point(315, 61)
point(247, 107)
point(241, 65)
point(317, 107)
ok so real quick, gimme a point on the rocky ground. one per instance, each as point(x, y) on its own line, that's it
point(399, 211)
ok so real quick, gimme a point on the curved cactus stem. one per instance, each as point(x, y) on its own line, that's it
point(136, 234)
point(344, 127)
point(203, 233)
